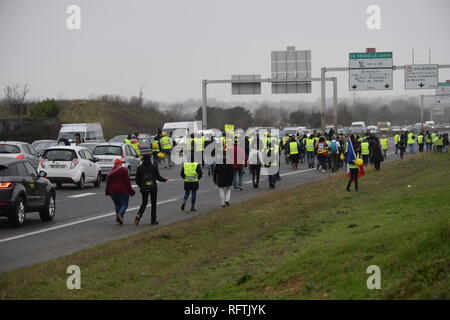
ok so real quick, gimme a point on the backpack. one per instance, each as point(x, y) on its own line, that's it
point(333, 147)
point(147, 181)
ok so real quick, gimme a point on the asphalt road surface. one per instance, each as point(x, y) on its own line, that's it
point(86, 218)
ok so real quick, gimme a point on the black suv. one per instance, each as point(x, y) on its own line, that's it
point(23, 190)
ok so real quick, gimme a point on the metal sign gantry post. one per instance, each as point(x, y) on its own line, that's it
point(422, 97)
point(268, 80)
point(323, 72)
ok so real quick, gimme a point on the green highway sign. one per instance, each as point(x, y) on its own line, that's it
point(444, 84)
point(370, 55)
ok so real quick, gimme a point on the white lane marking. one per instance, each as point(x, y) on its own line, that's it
point(83, 220)
point(82, 195)
point(283, 174)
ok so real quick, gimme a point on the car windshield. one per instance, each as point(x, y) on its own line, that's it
point(9, 148)
point(71, 135)
point(60, 155)
point(108, 151)
point(45, 145)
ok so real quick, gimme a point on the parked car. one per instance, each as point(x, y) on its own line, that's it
point(41, 145)
point(107, 153)
point(71, 164)
point(145, 141)
point(23, 190)
point(396, 129)
point(373, 129)
point(19, 150)
point(119, 139)
point(89, 145)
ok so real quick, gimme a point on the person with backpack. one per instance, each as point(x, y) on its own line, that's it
point(118, 187)
point(334, 154)
point(293, 149)
point(146, 176)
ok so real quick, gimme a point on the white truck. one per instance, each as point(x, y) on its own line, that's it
point(89, 132)
point(358, 127)
point(180, 131)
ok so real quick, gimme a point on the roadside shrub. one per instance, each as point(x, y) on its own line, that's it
point(45, 109)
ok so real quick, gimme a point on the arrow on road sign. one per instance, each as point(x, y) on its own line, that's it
point(354, 86)
point(421, 85)
point(386, 85)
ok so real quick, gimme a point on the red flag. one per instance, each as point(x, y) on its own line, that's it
point(361, 172)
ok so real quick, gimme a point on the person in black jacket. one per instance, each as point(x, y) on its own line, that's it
point(377, 155)
point(146, 175)
point(223, 175)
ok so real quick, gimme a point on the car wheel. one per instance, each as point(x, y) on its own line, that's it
point(17, 216)
point(99, 180)
point(80, 184)
point(48, 212)
point(59, 185)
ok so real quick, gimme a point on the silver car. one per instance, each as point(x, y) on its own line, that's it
point(107, 153)
point(19, 150)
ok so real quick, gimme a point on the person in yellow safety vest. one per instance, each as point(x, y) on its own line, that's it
point(293, 149)
point(166, 146)
point(191, 172)
point(434, 135)
point(128, 140)
point(428, 141)
point(272, 165)
point(310, 153)
point(155, 150)
point(365, 151)
point(135, 144)
point(396, 141)
point(439, 142)
point(199, 142)
point(421, 141)
point(284, 141)
point(411, 142)
point(384, 145)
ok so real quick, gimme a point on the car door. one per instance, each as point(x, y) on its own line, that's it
point(29, 154)
point(93, 167)
point(85, 164)
point(133, 159)
point(29, 183)
point(38, 185)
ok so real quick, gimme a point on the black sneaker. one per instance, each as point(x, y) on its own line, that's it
point(154, 222)
point(182, 206)
point(136, 220)
point(119, 218)
point(227, 203)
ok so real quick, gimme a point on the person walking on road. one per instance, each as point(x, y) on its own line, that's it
point(421, 141)
point(402, 143)
point(191, 172)
point(223, 177)
point(396, 141)
point(166, 146)
point(411, 142)
point(377, 156)
point(255, 161)
point(322, 154)
point(310, 154)
point(384, 145)
point(146, 176)
point(118, 187)
point(293, 149)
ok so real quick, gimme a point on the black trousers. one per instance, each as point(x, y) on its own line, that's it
point(153, 195)
point(255, 170)
point(353, 177)
point(377, 165)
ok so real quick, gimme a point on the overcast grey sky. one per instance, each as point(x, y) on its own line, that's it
point(169, 46)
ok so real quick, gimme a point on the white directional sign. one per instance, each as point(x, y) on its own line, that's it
point(421, 76)
point(443, 93)
point(289, 70)
point(370, 71)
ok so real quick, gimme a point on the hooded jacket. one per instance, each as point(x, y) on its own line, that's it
point(118, 181)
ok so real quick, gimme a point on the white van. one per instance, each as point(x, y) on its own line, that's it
point(180, 131)
point(89, 132)
point(429, 124)
point(358, 127)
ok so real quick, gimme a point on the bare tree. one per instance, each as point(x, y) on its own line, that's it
point(15, 93)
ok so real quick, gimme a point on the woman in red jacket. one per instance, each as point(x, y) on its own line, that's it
point(118, 186)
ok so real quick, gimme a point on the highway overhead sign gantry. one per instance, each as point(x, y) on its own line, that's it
point(421, 76)
point(370, 71)
point(443, 93)
point(290, 71)
point(240, 87)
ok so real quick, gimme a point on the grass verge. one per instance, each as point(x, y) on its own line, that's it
point(311, 242)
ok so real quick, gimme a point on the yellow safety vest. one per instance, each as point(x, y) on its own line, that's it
point(439, 141)
point(384, 144)
point(365, 148)
point(293, 148)
point(420, 139)
point(155, 146)
point(135, 145)
point(433, 137)
point(310, 145)
point(199, 144)
point(410, 138)
point(127, 141)
point(396, 138)
point(190, 171)
point(165, 143)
